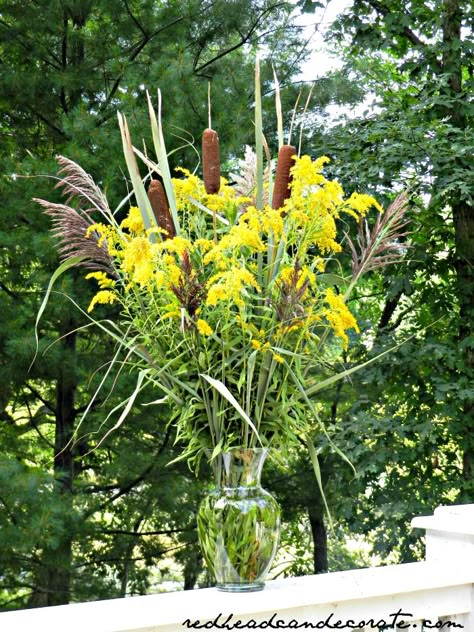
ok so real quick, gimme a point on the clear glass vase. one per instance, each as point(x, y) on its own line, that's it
point(239, 523)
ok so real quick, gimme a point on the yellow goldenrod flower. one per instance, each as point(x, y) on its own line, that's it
point(133, 221)
point(189, 187)
point(203, 327)
point(307, 173)
point(339, 317)
point(273, 223)
point(138, 260)
point(256, 344)
point(174, 274)
point(173, 314)
point(102, 297)
point(178, 245)
point(102, 279)
point(361, 203)
point(230, 285)
point(160, 278)
point(106, 234)
point(204, 245)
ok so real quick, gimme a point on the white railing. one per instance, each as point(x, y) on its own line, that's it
point(435, 594)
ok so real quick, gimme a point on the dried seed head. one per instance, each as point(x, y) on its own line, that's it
point(160, 206)
point(189, 291)
point(283, 177)
point(210, 161)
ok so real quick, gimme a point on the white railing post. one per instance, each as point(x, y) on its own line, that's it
point(450, 540)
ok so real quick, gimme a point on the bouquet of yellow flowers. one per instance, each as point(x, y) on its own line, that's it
point(224, 301)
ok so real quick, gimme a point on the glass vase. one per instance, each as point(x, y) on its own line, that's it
point(239, 523)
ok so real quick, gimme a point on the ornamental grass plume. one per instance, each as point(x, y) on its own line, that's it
point(70, 229)
point(71, 225)
point(383, 244)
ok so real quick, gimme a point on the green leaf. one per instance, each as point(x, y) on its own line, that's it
point(224, 391)
point(160, 149)
point(258, 135)
point(138, 187)
point(66, 265)
point(317, 472)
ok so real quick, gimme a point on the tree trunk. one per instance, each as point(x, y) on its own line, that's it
point(320, 541)
point(463, 216)
point(192, 569)
point(464, 238)
point(54, 576)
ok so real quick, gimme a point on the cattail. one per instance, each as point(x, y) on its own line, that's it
point(281, 188)
point(160, 206)
point(210, 161)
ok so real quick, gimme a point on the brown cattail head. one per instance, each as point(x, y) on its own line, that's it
point(211, 167)
point(160, 206)
point(281, 188)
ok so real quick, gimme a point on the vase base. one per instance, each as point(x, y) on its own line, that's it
point(241, 588)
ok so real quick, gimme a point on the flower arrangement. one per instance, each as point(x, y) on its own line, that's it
point(226, 309)
point(224, 305)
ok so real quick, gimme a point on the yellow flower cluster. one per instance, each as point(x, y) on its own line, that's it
point(339, 317)
point(189, 187)
point(227, 286)
point(107, 234)
point(287, 275)
point(137, 260)
point(103, 280)
point(204, 327)
point(133, 222)
point(315, 203)
point(102, 298)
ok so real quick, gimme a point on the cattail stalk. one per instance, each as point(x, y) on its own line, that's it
point(210, 161)
point(281, 188)
point(160, 206)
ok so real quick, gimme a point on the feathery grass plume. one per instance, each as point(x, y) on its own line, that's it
point(283, 177)
point(81, 188)
point(70, 224)
point(380, 246)
point(211, 168)
point(69, 227)
point(245, 181)
point(160, 206)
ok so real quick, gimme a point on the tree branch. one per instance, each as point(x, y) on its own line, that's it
point(125, 488)
point(134, 19)
point(8, 291)
point(407, 32)
point(243, 40)
point(137, 50)
point(30, 48)
point(144, 533)
point(40, 397)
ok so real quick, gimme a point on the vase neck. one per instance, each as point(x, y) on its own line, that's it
point(242, 467)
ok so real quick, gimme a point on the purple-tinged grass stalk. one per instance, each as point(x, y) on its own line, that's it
point(380, 246)
point(71, 224)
